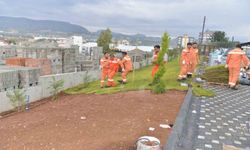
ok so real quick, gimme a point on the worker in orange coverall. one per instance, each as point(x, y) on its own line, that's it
point(113, 69)
point(126, 65)
point(194, 59)
point(105, 68)
point(155, 57)
point(185, 62)
point(235, 59)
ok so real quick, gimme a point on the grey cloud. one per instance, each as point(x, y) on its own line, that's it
point(141, 16)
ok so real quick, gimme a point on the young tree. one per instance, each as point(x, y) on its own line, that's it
point(219, 36)
point(56, 87)
point(17, 99)
point(105, 39)
point(158, 84)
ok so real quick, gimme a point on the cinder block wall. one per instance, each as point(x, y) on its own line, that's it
point(42, 91)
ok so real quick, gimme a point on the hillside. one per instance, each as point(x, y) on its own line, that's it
point(24, 25)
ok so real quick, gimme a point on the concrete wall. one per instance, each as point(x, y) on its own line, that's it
point(42, 91)
point(70, 80)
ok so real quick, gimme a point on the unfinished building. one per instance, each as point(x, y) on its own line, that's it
point(18, 77)
point(7, 52)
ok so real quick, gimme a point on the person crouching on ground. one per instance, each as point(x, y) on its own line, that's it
point(113, 69)
point(184, 62)
point(127, 66)
point(105, 68)
point(235, 59)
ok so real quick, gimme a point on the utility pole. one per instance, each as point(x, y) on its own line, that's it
point(202, 34)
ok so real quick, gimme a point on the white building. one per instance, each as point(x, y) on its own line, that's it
point(2, 43)
point(123, 42)
point(183, 40)
point(128, 48)
point(207, 36)
point(87, 49)
point(77, 40)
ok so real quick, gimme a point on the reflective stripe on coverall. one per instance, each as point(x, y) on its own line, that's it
point(113, 69)
point(126, 65)
point(235, 59)
point(105, 69)
point(184, 62)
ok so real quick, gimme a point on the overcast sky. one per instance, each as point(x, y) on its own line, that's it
point(150, 17)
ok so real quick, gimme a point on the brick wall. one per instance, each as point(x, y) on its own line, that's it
point(43, 63)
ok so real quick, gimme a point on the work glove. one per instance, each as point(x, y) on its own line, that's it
point(123, 69)
point(183, 62)
point(226, 66)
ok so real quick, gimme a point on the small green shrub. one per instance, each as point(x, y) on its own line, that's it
point(56, 87)
point(159, 88)
point(158, 84)
point(17, 99)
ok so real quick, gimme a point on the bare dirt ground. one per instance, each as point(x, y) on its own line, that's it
point(91, 122)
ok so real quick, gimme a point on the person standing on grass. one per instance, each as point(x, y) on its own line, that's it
point(157, 50)
point(154, 61)
point(184, 62)
point(113, 69)
point(194, 59)
point(126, 65)
point(235, 59)
point(105, 68)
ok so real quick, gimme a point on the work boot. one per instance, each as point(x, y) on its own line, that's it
point(179, 80)
point(189, 75)
point(234, 88)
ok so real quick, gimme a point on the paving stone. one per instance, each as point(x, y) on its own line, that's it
point(202, 127)
point(208, 146)
point(201, 137)
point(221, 119)
point(237, 142)
point(215, 142)
point(208, 124)
point(228, 134)
point(222, 137)
point(214, 130)
point(243, 138)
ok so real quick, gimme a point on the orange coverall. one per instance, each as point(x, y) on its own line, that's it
point(105, 69)
point(156, 66)
point(234, 61)
point(194, 59)
point(184, 63)
point(126, 65)
point(113, 69)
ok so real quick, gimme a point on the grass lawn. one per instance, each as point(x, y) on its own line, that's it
point(139, 80)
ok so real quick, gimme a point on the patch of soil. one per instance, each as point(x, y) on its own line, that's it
point(91, 122)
